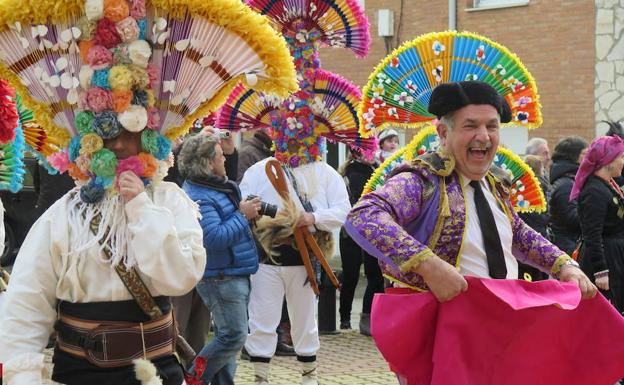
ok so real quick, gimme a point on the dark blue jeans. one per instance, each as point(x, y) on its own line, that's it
point(227, 298)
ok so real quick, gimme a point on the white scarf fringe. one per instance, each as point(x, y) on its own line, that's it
point(113, 230)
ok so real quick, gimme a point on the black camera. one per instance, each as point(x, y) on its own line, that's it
point(265, 208)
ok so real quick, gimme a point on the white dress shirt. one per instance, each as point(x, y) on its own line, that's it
point(473, 260)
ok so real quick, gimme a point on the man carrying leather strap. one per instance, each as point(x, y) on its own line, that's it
point(62, 272)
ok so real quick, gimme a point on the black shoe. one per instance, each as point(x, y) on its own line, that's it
point(345, 325)
point(284, 350)
point(245, 355)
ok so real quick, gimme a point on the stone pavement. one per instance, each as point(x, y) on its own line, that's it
point(348, 358)
point(345, 358)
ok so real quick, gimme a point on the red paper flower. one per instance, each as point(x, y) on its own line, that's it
point(8, 113)
point(106, 33)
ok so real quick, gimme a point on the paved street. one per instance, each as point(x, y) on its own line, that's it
point(345, 358)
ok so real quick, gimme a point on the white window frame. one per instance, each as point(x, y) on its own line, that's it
point(482, 5)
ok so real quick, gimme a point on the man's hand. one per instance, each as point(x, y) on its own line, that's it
point(603, 283)
point(571, 273)
point(227, 144)
point(130, 185)
point(250, 208)
point(305, 220)
point(443, 279)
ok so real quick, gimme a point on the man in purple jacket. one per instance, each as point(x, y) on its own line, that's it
point(447, 214)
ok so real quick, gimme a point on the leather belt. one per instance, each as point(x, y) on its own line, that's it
point(109, 344)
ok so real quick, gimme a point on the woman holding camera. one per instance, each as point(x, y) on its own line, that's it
point(232, 255)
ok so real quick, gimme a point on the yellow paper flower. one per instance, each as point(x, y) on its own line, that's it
point(120, 78)
point(90, 143)
point(151, 99)
point(140, 78)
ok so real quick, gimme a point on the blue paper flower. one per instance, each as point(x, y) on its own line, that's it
point(106, 124)
point(139, 98)
point(142, 28)
point(74, 148)
point(100, 79)
point(92, 192)
point(164, 147)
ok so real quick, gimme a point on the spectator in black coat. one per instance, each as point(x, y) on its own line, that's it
point(537, 221)
point(616, 129)
point(356, 172)
point(564, 219)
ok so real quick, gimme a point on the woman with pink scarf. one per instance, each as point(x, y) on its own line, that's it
point(601, 213)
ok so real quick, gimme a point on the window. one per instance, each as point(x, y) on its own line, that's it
point(492, 4)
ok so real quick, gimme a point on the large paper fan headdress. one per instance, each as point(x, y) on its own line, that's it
point(398, 91)
point(325, 106)
point(335, 23)
point(332, 115)
point(90, 69)
point(526, 192)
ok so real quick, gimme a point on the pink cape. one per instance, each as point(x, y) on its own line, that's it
point(500, 332)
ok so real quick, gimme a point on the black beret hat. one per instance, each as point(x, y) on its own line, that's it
point(449, 97)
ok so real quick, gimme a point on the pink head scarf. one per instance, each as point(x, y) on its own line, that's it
point(601, 152)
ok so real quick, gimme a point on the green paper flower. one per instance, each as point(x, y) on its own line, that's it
point(104, 163)
point(84, 122)
point(149, 141)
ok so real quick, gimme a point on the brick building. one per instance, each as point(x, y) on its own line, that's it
point(555, 39)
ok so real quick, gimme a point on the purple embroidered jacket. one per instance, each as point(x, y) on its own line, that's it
point(420, 212)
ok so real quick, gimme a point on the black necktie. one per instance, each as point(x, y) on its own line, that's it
point(491, 239)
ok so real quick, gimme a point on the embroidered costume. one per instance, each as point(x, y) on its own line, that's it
point(455, 203)
point(402, 232)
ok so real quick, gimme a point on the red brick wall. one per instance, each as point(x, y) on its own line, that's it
point(555, 39)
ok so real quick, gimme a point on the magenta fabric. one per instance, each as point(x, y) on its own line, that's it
point(508, 332)
point(601, 152)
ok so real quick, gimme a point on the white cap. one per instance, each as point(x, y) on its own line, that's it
point(387, 133)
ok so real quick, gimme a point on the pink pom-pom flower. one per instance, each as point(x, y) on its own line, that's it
point(59, 160)
point(99, 57)
point(99, 99)
point(132, 163)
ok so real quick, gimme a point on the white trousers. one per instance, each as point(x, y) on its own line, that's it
point(268, 287)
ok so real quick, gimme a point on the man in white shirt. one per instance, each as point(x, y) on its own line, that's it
point(62, 279)
point(319, 194)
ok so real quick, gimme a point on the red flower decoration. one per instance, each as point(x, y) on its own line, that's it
point(106, 33)
point(8, 113)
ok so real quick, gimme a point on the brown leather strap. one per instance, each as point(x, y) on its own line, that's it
point(113, 344)
point(130, 278)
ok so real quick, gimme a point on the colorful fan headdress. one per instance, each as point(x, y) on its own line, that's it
point(526, 191)
point(89, 69)
point(398, 91)
point(326, 105)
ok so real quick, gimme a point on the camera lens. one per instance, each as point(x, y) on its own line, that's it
point(268, 209)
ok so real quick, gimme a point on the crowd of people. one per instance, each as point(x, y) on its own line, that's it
point(169, 237)
point(245, 284)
